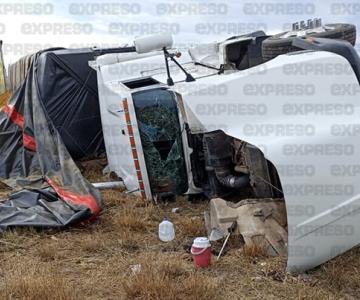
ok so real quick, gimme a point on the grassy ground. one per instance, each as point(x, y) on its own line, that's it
point(4, 98)
point(100, 261)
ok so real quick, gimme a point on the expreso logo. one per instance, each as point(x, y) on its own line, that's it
point(189, 9)
point(231, 109)
point(279, 89)
point(57, 28)
point(35, 8)
point(104, 8)
point(286, 8)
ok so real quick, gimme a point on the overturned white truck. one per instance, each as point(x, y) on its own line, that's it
point(222, 120)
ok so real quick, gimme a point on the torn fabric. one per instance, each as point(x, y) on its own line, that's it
point(30, 145)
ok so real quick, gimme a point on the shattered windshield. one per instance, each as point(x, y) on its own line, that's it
point(160, 133)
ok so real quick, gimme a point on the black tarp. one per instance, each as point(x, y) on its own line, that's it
point(53, 114)
point(68, 90)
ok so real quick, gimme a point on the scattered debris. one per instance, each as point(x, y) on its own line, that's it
point(305, 277)
point(260, 222)
point(257, 278)
point(276, 275)
point(216, 234)
point(135, 268)
point(175, 210)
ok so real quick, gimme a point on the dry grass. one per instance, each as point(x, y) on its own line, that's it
point(127, 219)
point(168, 277)
point(36, 282)
point(47, 252)
point(4, 98)
point(95, 261)
point(254, 250)
point(345, 277)
point(190, 227)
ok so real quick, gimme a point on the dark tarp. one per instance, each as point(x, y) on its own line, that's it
point(35, 131)
point(68, 89)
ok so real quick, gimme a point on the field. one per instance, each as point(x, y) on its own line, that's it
point(119, 256)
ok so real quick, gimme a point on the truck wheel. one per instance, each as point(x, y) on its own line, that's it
point(282, 43)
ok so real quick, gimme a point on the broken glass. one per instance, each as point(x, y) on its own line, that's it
point(160, 133)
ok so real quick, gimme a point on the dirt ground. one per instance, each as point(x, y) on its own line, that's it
point(119, 256)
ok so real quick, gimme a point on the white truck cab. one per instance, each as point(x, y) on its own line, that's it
point(285, 129)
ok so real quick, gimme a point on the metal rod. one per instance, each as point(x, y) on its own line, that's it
point(170, 81)
point(108, 185)
point(223, 246)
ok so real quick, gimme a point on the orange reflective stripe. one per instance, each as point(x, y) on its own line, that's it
point(29, 142)
point(13, 115)
point(87, 200)
point(133, 148)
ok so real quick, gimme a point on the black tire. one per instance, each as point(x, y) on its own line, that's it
point(275, 45)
